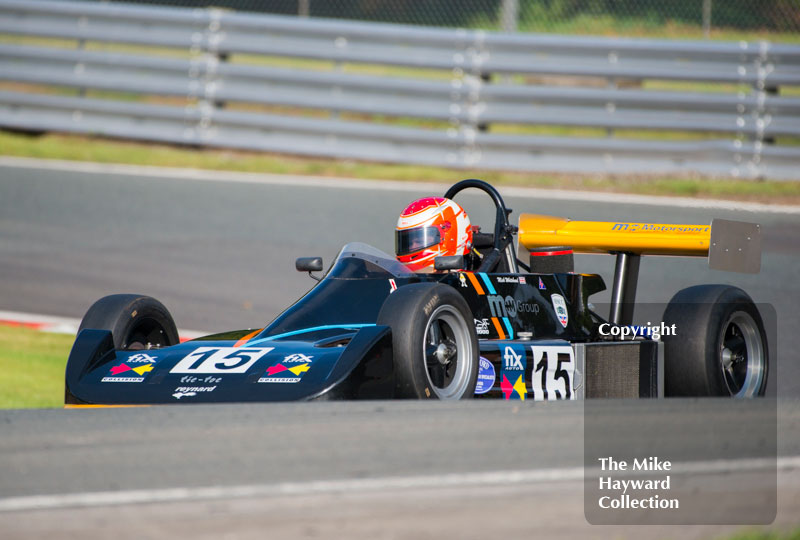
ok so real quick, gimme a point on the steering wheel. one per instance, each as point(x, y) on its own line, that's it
point(503, 230)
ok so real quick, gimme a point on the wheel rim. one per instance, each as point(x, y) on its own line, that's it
point(448, 353)
point(742, 358)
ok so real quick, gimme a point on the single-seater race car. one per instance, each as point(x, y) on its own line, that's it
point(488, 325)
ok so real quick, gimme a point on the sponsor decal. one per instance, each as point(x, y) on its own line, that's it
point(463, 279)
point(188, 391)
point(510, 390)
point(560, 307)
point(497, 304)
point(486, 376)
point(297, 358)
point(508, 307)
point(541, 285)
point(122, 368)
point(482, 327)
point(392, 286)
point(506, 279)
point(141, 359)
point(190, 379)
point(279, 373)
point(522, 281)
point(553, 372)
point(654, 227)
point(512, 360)
point(512, 382)
point(220, 360)
point(125, 373)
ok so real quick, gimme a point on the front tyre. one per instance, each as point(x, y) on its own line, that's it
point(435, 347)
point(135, 321)
point(720, 348)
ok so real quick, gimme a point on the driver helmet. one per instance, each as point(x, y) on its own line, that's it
point(429, 228)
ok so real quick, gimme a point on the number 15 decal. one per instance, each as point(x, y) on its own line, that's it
point(553, 373)
point(219, 360)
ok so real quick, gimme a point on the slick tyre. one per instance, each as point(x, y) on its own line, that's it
point(435, 347)
point(720, 346)
point(135, 321)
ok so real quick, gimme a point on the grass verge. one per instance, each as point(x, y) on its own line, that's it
point(32, 367)
point(80, 148)
point(765, 535)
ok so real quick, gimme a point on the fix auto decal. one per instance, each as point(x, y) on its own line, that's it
point(289, 370)
point(512, 377)
point(132, 370)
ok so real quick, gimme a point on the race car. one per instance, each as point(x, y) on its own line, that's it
point(485, 326)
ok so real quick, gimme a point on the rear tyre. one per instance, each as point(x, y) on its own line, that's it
point(720, 348)
point(136, 322)
point(435, 347)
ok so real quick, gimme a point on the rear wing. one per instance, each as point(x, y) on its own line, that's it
point(732, 246)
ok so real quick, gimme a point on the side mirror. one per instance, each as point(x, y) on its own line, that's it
point(454, 262)
point(309, 264)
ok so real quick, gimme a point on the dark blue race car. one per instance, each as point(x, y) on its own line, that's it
point(491, 326)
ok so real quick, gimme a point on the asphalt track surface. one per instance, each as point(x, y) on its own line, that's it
point(218, 249)
point(220, 255)
point(358, 470)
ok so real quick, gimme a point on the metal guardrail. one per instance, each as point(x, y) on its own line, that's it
point(213, 63)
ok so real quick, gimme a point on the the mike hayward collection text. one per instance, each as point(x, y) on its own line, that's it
point(620, 498)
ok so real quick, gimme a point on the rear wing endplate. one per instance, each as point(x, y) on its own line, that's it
point(735, 246)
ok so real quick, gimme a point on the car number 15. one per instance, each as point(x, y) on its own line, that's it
point(219, 360)
point(553, 373)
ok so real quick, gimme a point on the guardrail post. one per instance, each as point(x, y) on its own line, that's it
point(611, 107)
point(763, 68)
point(485, 78)
point(203, 67)
point(81, 46)
point(477, 56)
point(706, 18)
point(509, 14)
point(213, 39)
point(338, 66)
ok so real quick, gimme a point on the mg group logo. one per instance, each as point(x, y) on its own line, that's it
point(508, 307)
point(502, 307)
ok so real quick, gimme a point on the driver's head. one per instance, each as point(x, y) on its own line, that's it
point(430, 228)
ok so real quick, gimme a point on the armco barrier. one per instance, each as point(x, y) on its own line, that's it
point(211, 77)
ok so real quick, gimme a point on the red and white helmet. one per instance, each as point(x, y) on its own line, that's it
point(430, 228)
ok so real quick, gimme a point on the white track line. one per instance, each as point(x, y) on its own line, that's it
point(386, 185)
point(65, 325)
point(365, 485)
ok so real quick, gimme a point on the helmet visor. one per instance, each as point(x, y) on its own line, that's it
point(411, 240)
